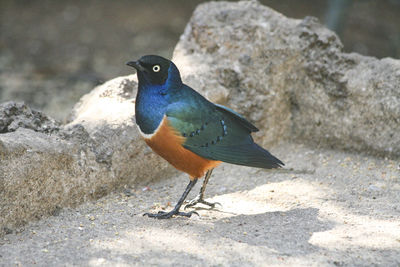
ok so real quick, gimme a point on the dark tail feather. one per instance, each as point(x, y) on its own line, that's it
point(251, 155)
point(270, 161)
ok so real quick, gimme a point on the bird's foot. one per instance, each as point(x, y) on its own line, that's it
point(200, 200)
point(167, 215)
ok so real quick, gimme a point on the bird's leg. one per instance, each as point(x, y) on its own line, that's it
point(175, 211)
point(200, 197)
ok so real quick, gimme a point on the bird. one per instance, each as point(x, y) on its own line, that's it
point(193, 134)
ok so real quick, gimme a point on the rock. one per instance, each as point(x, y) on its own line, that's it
point(18, 115)
point(46, 165)
point(291, 78)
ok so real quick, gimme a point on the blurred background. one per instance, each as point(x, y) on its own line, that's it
point(53, 52)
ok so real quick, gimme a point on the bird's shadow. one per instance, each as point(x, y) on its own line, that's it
point(285, 231)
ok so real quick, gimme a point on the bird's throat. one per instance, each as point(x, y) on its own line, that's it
point(150, 108)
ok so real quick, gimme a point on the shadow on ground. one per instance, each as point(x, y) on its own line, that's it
point(293, 228)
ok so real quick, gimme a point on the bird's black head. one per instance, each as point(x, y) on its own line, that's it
point(152, 68)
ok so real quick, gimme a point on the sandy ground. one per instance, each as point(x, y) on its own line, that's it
point(333, 209)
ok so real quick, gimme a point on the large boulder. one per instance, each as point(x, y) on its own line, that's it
point(46, 166)
point(291, 78)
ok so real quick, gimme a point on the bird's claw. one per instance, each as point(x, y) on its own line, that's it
point(167, 215)
point(198, 200)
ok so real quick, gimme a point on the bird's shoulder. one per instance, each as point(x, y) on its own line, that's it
point(190, 107)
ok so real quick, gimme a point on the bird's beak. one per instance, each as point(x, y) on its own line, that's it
point(136, 65)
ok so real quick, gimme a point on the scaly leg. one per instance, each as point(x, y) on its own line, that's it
point(200, 196)
point(175, 211)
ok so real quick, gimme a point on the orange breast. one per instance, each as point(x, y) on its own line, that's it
point(167, 143)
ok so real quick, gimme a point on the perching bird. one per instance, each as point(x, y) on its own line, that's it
point(190, 132)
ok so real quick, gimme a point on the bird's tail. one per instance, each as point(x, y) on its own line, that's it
point(251, 155)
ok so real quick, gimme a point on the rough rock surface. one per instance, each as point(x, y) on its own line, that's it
point(291, 77)
point(46, 166)
point(18, 115)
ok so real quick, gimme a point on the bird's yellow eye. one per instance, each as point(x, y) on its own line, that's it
point(156, 68)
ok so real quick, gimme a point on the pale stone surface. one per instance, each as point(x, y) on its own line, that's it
point(291, 78)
